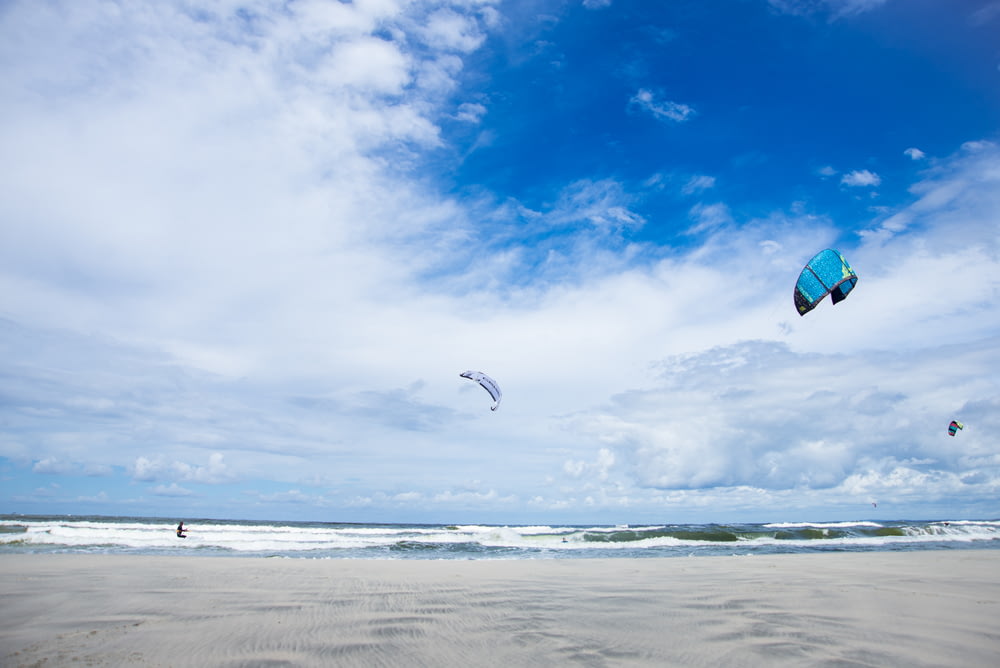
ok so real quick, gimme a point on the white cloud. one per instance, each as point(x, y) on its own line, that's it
point(914, 154)
point(835, 8)
point(861, 178)
point(448, 30)
point(292, 496)
point(53, 465)
point(471, 112)
point(697, 184)
point(604, 204)
point(371, 64)
point(599, 469)
point(961, 192)
point(709, 216)
point(821, 421)
point(151, 470)
point(172, 490)
point(649, 101)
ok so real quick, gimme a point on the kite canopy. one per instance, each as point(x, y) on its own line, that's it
point(487, 383)
point(954, 427)
point(826, 274)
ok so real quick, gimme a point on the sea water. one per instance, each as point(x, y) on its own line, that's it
point(20, 534)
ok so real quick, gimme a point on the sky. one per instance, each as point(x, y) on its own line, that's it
point(248, 246)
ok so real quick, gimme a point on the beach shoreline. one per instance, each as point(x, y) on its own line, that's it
point(918, 608)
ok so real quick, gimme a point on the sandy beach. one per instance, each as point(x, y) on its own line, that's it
point(933, 608)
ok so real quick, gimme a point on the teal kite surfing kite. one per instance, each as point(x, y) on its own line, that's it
point(826, 274)
point(954, 427)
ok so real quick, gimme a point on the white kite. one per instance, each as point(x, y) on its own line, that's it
point(488, 384)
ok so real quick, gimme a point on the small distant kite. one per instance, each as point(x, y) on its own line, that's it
point(827, 273)
point(487, 383)
point(954, 427)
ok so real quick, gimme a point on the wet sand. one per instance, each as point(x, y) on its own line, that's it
point(934, 608)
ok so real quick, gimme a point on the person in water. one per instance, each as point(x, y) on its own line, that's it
point(181, 530)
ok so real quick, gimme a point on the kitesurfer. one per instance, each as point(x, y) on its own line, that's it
point(181, 530)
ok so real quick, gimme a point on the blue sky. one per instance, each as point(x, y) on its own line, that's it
point(246, 248)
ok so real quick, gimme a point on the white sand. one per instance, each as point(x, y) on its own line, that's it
point(938, 608)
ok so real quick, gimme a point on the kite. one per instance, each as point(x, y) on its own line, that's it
point(954, 427)
point(488, 384)
point(826, 274)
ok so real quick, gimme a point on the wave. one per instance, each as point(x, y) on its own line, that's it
point(332, 540)
point(821, 525)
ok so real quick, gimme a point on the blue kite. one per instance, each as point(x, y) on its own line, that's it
point(826, 274)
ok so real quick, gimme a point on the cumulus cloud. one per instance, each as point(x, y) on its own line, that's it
point(152, 470)
point(914, 154)
point(171, 490)
point(861, 178)
point(599, 469)
point(448, 30)
point(824, 423)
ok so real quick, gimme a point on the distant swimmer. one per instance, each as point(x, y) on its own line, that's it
point(181, 531)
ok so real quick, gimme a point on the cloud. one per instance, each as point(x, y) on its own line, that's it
point(151, 470)
point(697, 184)
point(646, 100)
point(914, 154)
point(53, 466)
point(598, 469)
point(171, 490)
point(709, 216)
point(835, 8)
point(719, 394)
point(824, 422)
point(960, 191)
point(292, 496)
point(861, 178)
point(470, 112)
point(603, 204)
point(985, 14)
point(448, 30)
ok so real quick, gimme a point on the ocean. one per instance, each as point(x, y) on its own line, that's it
point(26, 534)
